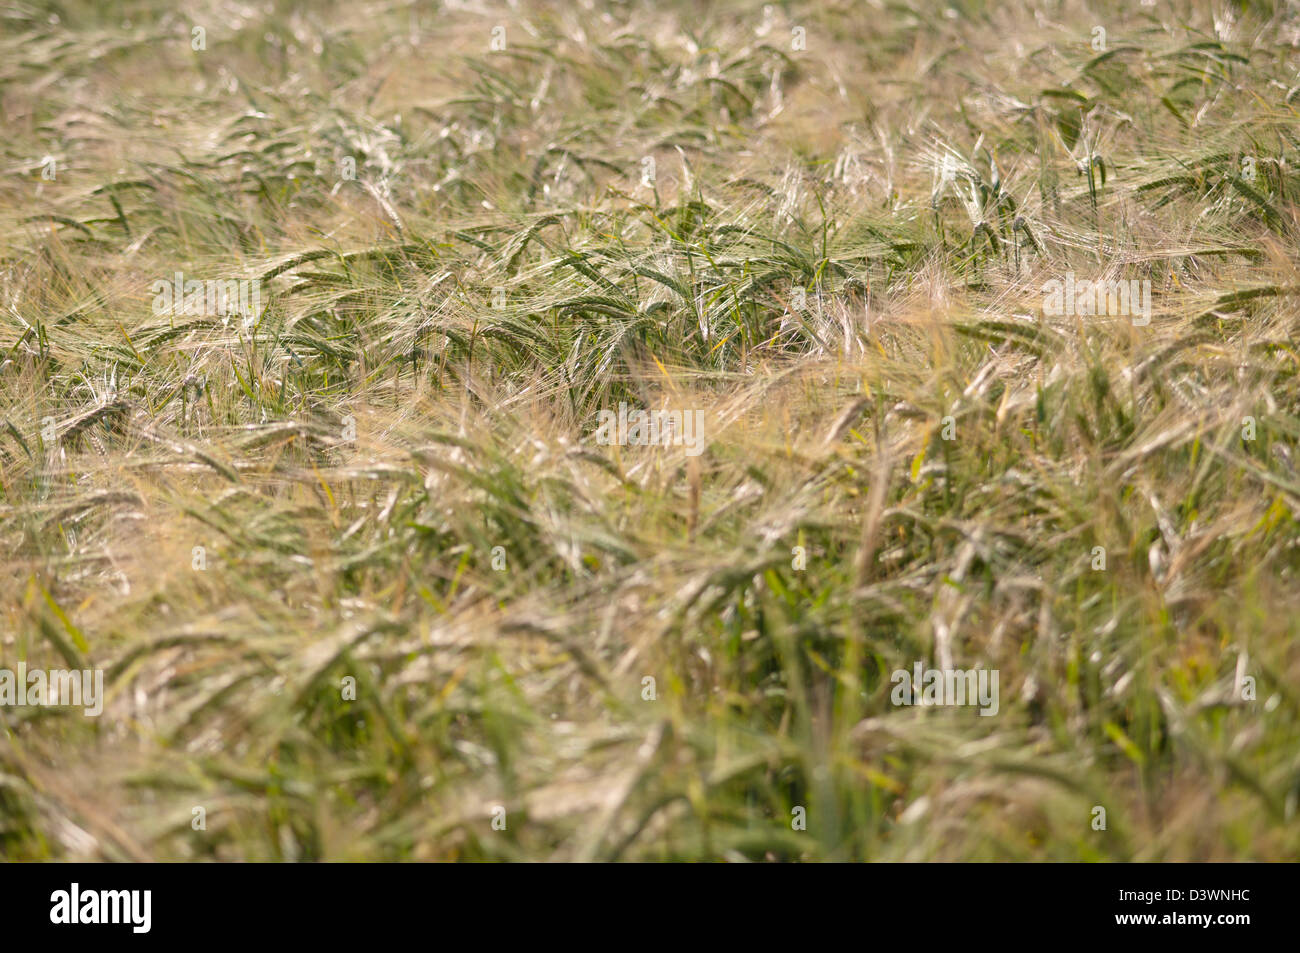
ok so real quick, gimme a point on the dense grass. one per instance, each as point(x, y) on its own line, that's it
point(839, 261)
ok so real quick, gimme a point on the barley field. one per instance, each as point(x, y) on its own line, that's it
point(569, 431)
